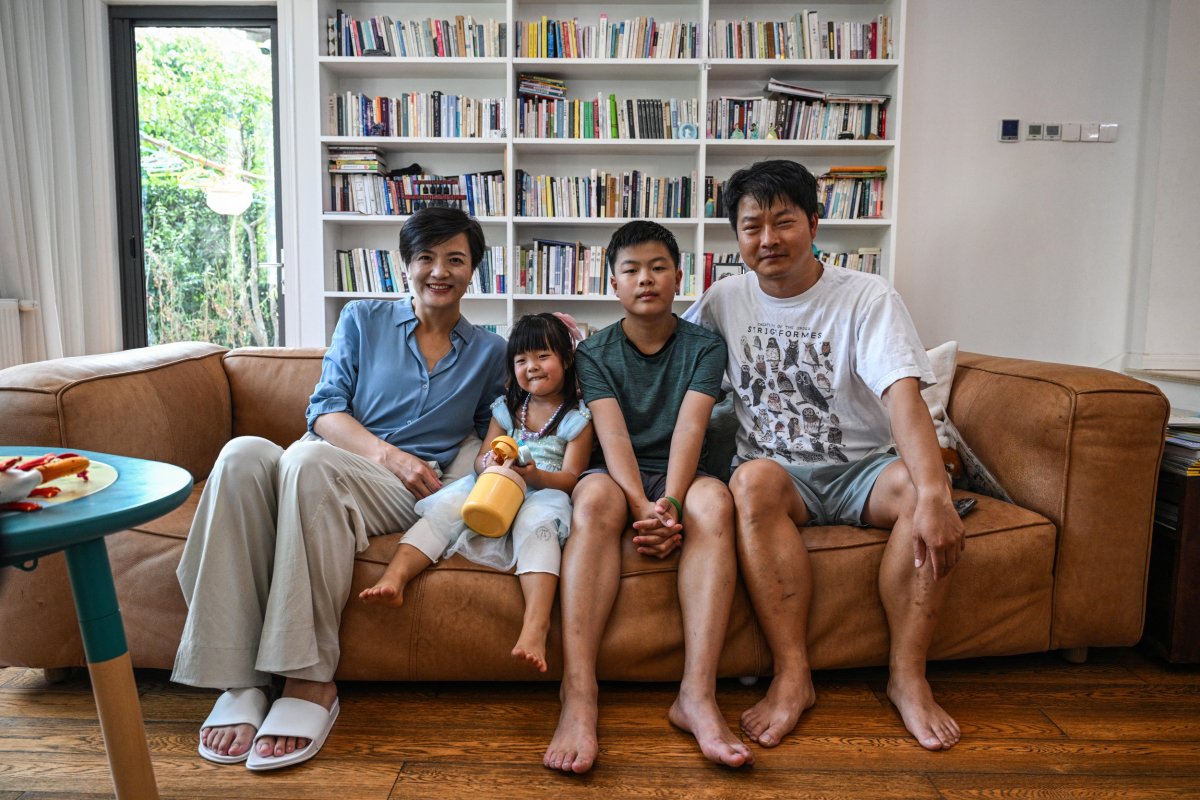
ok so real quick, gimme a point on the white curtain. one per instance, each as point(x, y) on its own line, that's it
point(58, 230)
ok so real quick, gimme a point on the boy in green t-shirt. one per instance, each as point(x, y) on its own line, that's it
point(650, 381)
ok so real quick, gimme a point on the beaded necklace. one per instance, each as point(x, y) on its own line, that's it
point(528, 434)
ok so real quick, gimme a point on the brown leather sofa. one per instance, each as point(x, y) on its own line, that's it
point(1077, 448)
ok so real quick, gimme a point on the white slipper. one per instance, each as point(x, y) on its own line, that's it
point(235, 707)
point(293, 717)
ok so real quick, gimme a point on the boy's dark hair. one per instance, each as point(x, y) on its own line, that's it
point(431, 226)
point(768, 182)
point(638, 232)
point(537, 332)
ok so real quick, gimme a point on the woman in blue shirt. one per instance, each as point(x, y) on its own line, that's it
point(267, 566)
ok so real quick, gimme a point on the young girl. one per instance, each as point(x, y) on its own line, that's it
point(539, 409)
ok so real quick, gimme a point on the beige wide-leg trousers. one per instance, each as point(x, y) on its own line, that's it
point(268, 562)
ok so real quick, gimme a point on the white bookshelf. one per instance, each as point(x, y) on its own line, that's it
point(702, 78)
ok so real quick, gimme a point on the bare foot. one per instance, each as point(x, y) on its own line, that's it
point(700, 716)
point(323, 694)
point(228, 740)
point(574, 746)
point(774, 717)
point(388, 592)
point(531, 647)
point(925, 719)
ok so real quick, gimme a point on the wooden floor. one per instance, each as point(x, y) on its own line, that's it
point(1121, 725)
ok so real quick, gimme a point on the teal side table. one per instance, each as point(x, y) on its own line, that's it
point(142, 491)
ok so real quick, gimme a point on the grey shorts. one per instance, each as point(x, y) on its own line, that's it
point(836, 494)
point(654, 484)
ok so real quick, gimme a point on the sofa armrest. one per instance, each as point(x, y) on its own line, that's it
point(1080, 446)
point(168, 402)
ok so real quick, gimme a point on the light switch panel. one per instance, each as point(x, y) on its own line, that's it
point(1089, 132)
point(1070, 132)
point(1108, 131)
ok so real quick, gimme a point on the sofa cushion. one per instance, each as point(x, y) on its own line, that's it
point(1009, 559)
point(269, 388)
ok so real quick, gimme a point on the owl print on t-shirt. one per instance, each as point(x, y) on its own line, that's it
point(786, 380)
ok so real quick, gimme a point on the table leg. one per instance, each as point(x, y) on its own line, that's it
point(115, 691)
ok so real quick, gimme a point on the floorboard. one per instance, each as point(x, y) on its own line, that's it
point(1121, 725)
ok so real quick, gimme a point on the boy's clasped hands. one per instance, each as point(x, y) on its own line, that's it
point(659, 528)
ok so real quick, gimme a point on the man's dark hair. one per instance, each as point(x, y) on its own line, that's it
point(429, 227)
point(769, 182)
point(638, 232)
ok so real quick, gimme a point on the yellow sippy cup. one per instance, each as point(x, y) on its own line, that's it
point(498, 493)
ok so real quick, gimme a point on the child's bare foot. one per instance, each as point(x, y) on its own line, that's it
point(700, 716)
point(536, 656)
point(925, 719)
point(387, 592)
point(531, 647)
point(574, 746)
point(773, 717)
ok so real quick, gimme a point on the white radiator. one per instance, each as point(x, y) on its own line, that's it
point(16, 347)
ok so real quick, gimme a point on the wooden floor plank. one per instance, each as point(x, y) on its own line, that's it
point(331, 778)
point(1017, 756)
point(1157, 722)
point(1120, 725)
point(455, 780)
point(1062, 787)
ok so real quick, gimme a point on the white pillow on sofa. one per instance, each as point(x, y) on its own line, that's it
point(943, 359)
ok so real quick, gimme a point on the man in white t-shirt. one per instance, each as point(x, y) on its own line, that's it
point(827, 368)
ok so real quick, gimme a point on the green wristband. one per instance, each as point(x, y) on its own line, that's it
point(678, 507)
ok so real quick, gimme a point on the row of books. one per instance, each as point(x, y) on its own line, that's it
point(801, 36)
point(852, 192)
point(847, 192)
point(640, 37)
point(541, 86)
point(433, 114)
point(362, 269)
point(864, 259)
point(794, 118)
point(843, 193)
point(1181, 452)
point(480, 194)
point(356, 158)
point(607, 118)
point(550, 266)
point(724, 265)
point(461, 37)
point(605, 194)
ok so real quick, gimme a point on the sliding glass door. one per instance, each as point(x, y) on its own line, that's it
point(196, 135)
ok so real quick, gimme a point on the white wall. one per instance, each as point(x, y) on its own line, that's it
point(1170, 338)
point(1023, 249)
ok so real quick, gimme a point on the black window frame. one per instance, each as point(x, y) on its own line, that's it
point(123, 22)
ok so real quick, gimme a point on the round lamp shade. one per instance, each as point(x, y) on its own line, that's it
point(229, 196)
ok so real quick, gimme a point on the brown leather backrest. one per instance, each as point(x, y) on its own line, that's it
point(270, 387)
point(168, 402)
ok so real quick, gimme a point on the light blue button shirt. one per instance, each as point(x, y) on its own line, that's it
point(374, 371)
